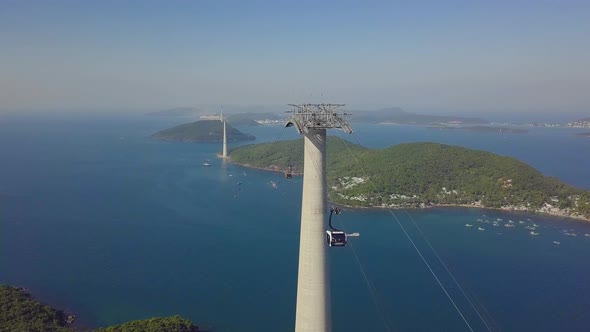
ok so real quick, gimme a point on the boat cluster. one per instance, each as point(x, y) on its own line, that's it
point(528, 225)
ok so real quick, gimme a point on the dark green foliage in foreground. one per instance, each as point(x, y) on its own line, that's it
point(202, 131)
point(424, 173)
point(20, 312)
point(165, 324)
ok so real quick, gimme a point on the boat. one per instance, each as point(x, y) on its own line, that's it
point(588, 235)
point(468, 225)
point(521, 222)
point(556, 242)
point(206, 164)
point(509, 225)
point(481, 229)
point(531, 228)
point(274, 185)
point(533, 233)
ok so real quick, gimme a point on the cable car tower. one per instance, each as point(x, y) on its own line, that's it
point(224, 149)
point(313, 287)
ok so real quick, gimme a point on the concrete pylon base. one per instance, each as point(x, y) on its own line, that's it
point(313, 288)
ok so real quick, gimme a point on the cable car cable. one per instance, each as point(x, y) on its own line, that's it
point(409, 237)
point(370, 288)
point(448, 271)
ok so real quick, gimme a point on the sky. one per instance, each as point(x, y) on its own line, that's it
point(438, 56)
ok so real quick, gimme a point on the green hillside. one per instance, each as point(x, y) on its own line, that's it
point(422, 174)
point(20, 312)
point(202, 131)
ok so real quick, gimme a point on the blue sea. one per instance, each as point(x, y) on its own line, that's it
point(101, 220)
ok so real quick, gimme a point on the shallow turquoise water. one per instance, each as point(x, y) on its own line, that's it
point(97, 218)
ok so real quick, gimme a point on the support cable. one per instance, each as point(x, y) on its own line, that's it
point(409, 237)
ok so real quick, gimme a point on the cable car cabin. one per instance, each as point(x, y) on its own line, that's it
point(288, 173)
point(336, 238)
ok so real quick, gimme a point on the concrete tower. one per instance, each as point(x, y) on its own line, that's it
point(224, 151)
point(313, 283)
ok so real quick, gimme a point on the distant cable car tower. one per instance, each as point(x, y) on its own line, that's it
point(313, 283)
point(224, 150)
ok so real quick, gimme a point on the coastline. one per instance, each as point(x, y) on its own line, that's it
point(274, 168)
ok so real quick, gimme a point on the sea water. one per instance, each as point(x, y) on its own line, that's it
point(99, 219)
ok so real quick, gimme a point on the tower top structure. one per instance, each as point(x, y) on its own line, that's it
point(318, 116)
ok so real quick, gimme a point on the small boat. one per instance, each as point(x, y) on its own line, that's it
point(556, 242)
point(588, 235)
point(274, 185)
point(481, 229)
point(468, 225)
point(206, 164)
point(510, 221)
point(533, 233)
point(571, 234)
point(521, 222)
point(509, 225)
point(531, 228)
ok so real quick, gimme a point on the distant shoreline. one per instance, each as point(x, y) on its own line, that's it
point(430, 206)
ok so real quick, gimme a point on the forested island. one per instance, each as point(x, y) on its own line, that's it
point(425, 174)
point(206, 131)
point(19, 311)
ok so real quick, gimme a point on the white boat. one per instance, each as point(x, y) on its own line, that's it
point(468, 225)
point(531, 228)
point(480, 229)
point(521, 222)
point(556, 242)
point(588, 235)
point(533, 233)
point(206, 164)
point(571, 234)
point(274, 184)
point(510, 221)
point(509, 225)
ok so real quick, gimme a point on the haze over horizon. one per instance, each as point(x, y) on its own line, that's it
point(460, 57)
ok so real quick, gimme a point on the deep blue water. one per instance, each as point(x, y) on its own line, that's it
point(99, 219)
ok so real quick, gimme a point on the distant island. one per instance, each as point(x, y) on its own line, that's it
point(487, 129)
point(581, 123)
point(21, 312)
point(179, 111)
point(418, 175)
point(256, 119)
point(202, 131)
point(396, 115)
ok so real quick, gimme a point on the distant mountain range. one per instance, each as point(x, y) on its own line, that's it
point(488, 129)
point(202, 131)
point(399, 116)
point(387, 115)
point(179, 111)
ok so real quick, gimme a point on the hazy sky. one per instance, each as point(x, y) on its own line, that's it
point(439, 56)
